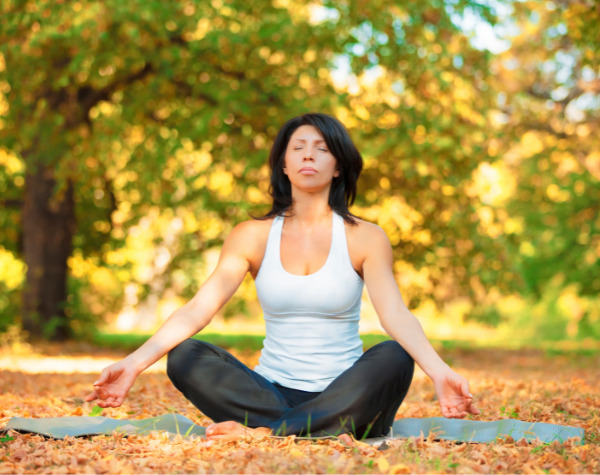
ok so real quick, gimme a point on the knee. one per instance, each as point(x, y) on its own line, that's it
point(177, 357)
point(180, 358)
point(396, 358)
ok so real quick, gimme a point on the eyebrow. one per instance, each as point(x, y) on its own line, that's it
point(303, 140)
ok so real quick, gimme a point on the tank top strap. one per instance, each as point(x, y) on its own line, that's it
point(272, 252)
point(338, 240)
point(311, 321)
point(339, 245)
point(338, 251)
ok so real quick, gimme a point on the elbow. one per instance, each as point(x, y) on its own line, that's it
point(396, 320)
point(193, 315)
point(388, 323)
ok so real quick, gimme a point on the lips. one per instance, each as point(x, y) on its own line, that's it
point(307, 171)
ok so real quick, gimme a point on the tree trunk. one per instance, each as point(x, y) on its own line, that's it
point(48, 228)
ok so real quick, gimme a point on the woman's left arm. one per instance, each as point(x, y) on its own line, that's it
point(452, 389)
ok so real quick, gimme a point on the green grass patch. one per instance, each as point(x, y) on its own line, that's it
point(96, 411)
point(253, 342)
point(131, 341)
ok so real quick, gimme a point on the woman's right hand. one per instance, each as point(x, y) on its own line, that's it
point(112, 386)
point(454, 396)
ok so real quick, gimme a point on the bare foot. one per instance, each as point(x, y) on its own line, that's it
point(230, 430)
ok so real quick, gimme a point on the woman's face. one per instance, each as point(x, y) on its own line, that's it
point(308, 163)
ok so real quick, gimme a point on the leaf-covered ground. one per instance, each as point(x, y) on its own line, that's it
point(527, 385)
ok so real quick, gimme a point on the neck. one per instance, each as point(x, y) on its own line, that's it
point(311, 208)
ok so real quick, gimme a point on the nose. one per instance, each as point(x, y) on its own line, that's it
point(308, 155)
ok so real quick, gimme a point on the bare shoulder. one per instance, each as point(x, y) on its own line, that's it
point(249, 239)
point(250, 233)
point(252, 227)
point(364, 233)
point(366, 241)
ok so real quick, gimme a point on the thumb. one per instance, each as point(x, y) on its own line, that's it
point(103, 378)
point(464, 387)
point(90, 397)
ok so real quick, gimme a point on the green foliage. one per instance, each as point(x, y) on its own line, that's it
point(487, 314)
point(161, 115)
point(131, 341)
point(510, 413)
point(81, 298)
point(10, 304)
point(11, 285)
point(549, 84)
point(96, 411)
point(151, 105)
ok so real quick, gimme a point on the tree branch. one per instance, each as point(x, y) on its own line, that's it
point(547, 96)
point(11, 203)
point(89, 97)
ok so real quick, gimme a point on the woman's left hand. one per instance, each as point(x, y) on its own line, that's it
point(453, 394)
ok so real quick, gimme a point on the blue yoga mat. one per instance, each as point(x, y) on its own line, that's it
point(439, 427)
point(483, 431)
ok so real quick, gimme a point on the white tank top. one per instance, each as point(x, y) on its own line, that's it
point(311, 320)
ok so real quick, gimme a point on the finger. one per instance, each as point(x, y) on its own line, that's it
point(103, 403)
point(113, 402)
point(456, 412)
point(106, 401)
point(464, 387)
point(103, 378)
point(91, 396)
point(100, 392)
point(109, 402)
point(446, 412)
point(468, 407)
point(107, 392)
point(453, 415)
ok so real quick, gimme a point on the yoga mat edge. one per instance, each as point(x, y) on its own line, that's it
point(438, 427)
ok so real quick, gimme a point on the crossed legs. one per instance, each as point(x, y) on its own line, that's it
point(362, 401)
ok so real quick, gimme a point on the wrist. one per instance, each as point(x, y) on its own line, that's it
point(436, 371)
point(135, 363)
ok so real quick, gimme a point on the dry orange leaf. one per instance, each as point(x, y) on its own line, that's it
point(523, 382)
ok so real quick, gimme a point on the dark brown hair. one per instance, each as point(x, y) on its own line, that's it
point(349, 164)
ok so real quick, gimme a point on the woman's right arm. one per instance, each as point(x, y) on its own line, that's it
point(234, 262)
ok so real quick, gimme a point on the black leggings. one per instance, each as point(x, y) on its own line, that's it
point(363, 400)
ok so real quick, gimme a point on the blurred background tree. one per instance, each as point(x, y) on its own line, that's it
point(123, 110)
point(134, 136)
point(548, 87)
point(549, 90)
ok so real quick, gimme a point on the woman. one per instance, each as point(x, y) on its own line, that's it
point(309, 257)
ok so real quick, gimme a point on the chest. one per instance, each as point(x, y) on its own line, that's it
point(304, 253)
